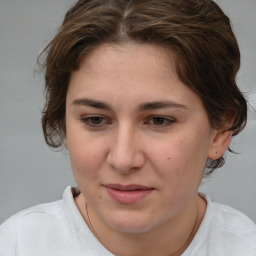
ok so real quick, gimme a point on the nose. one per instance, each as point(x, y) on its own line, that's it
point(126, 152)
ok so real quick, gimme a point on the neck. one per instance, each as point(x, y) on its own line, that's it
point(171, 239)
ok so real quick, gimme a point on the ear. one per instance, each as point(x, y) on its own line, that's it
point(220, 143)
point(222, 136)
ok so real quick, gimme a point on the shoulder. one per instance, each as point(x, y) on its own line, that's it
point(230, 231)
point(231, 220)
point(223, 231)
point(29, 226)
point(44, 212)
point(45, 229)
point(41, 211)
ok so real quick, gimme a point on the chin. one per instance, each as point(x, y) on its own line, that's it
point(130, 224)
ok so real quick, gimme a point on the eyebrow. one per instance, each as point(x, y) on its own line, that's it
point(160, 104)
point(143, 107)
point(91, 103)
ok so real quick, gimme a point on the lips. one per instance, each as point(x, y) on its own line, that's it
point(128, 194)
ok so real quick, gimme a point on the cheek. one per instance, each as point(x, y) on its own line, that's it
point(167, 159)
point(181, 154)
point(85, 156)
point(172, 149)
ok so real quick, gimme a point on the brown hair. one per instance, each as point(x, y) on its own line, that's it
point(207, 54)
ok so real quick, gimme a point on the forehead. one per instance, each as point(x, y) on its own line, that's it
point(127, 57)
point(143, 72)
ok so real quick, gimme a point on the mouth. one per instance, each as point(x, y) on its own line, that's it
point(128, 194)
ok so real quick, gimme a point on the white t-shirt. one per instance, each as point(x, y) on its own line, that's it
point(58, 229)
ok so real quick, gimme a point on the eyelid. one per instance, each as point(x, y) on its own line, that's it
point(169, 120)
point(86, 120)
point(104, 121)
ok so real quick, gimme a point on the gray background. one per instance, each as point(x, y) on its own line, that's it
point(31, 173)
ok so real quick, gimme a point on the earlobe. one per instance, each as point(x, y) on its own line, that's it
point(220, 144)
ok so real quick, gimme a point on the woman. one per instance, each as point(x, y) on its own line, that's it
point(143, 95)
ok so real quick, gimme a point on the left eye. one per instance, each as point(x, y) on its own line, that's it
point(160, 121)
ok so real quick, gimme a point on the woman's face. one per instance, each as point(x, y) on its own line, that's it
point(138, 137)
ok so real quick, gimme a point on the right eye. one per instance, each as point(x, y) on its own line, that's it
point(94, 121)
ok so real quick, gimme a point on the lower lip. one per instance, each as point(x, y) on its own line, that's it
point(128, 197)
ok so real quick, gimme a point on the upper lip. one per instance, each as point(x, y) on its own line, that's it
point(129, 187)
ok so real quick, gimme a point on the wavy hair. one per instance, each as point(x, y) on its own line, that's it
point(207, 56)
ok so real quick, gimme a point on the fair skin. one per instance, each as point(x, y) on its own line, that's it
point(138, 140)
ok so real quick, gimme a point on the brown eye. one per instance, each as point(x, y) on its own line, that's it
point(159, 121)
point(94, 121)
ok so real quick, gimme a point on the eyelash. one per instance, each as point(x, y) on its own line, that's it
point(101, 121)
point(166, 121)
point(88, 121)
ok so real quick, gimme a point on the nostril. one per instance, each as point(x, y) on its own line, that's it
point(126, 162)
